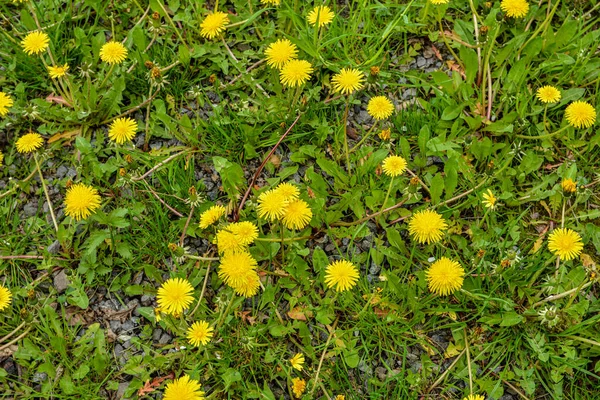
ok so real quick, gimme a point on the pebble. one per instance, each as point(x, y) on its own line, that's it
point(157, 334)
point(165, 338)
point(61, 282)
point(54, 248)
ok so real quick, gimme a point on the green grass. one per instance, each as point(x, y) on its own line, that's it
point(377, 340)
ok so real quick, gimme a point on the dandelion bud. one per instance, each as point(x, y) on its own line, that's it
point(375, 70)
point(149, 64)
point(155, 15)
point(385, 134)
point(212, 79)
point(122, 172)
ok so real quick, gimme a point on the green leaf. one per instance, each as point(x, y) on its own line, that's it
point(511, 318)
point(436, 187)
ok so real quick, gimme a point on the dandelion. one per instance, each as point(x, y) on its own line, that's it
point(489, 200)
point(297, 215)
point(385, 134)
point(565, 243)
point(298, 387)
point(569, 185)
point(29, 142)
point(122, 130)
point(175, 296)
point(323, 14)
point(214, 24)
point(271, 2)
point(199, 333)
point(157, 314)
point(235, 268)
point(342, 274)
point(288, 190)
point(35, 42)
point(394, 166)
point(212, 215)
point(183, 388)
point(1, 158)
point(248, 284)
point(580, 114)
point(436, 2)
point(348, 80)
point(427, 226)
point(113, 53)
point(474, 397)
point(445, 276)
point(548, 94)
point(58, 72)
point(295, 73)
point(380, 107)
point(245, 231)
point(228, 242)
point(5, 102)
point(515, 8)
point(5, 296)
point(297, 362)
point(81, 201)
point(339, 397)
point(271, 205)
point(280, 52)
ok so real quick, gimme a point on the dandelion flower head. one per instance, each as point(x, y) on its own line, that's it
point(342, 275)
point(295, 73)
point(297, 215)
point(548, 94)
point(271, 2)
point(288, 190)
point(280, 52)
point(214, 24)
point(380, 107)
point(175, 296)
point(580, 114)
point(445, 276)
point(323, 14)
point(489, 200)
point(427, 226)
point(394, 166)
point(297, 362)
point(199, 333)
point(58, 72)
point(436, 2)
point(245, 231)
point(248, 284)
point(1, 158)
point(234, 268)
point(35, 42)
point(569, 185)
point(29, 142)
point(515, 8)
point(565, 243)
point(474, 397)
point(5, 102)
point(348, 80)
point(183, 388)
point(81, 201)
point(298, 387)
point(228, 242)
point(272, 205)
point(212, 215)
point(5, 296)
point(122, 130)
point(113, 53)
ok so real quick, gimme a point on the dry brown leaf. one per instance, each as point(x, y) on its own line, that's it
point(52, 98)
point(64, 135)
point(299, 313)
point(437, 53)
point(454, 66)
point(9, 351)
point(588, 261)
point(151, 386)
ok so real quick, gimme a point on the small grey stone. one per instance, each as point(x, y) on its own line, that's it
point(165, 338)
point(409, 93)
point(421, 62)
point(30, 209)
point(157, 334)
point(127, 325)
point(54, 248)
point(146, 300)
point(119, 350)
point(39, 377)
point(115, 326)
point(329, 248)
point(381, 373)
point(345, 241)
point(61, 171)
point(121, 390)
point(374, 269)
point(61, 282)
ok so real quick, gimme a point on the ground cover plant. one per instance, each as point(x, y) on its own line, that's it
point(278, 199)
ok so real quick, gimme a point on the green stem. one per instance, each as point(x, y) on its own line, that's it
point(549, 135)
point(46, 192)
point(387, 195)
point(288, 239)
point(173, 24)
point(222, 318)
point(109, 73)
point(365, 137)
point(192, 257)
point(282, 243)
point(346, 134)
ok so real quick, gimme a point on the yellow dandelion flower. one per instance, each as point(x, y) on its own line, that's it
point(214, 24)
point(58, 72)
point(298, 387)
point(445, 276)
point(489, 200)
point(347, 80)
point(297, 215)
point(247, 284)
point(183, 388)
point(474, 397)
point(322, 14)
point(175, 296)
point(580, 114)
point(339, 397)
point(212, 215)
point(515, 8)
point(280, 52)
point(245, 231)
point(436, 2)
point(342, 274)
point(548, 94)
point(122, 130)
point(157, 314)
point(385, 134)
point(35, 42)
point(29, 142)
point(297, 362)
point(228, 242)
point(394, 166)
point(271, 205)
point(569, 185)
point(199, 333)
point(295, 73)
point(1, 158)
point(5, 102)
point(565, 243)
point(81, 201)
point(271, 2)
point(113, 52)
point(380, 107)
point(5, 296)
point(288, 190)
point(235, 267)
point(427, 226)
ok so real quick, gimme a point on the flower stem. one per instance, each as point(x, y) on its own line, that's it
point(365, 137)
point(549, 135)
point(346, 135)
point(287, 239)
point(387, 195)
point(46, 192)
